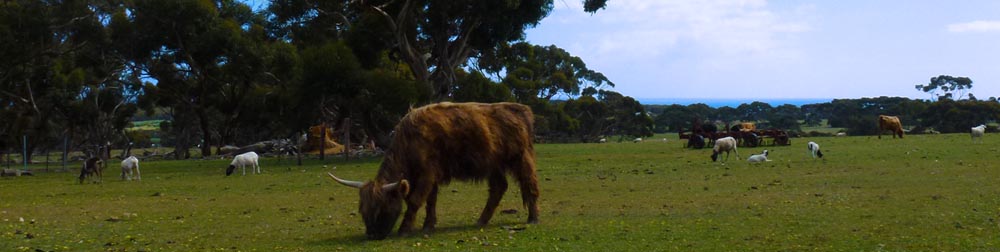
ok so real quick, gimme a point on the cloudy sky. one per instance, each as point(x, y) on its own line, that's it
point(780, 49)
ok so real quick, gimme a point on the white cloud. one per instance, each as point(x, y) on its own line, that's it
point(976, 26)
point(646, 29)
point(643, 42)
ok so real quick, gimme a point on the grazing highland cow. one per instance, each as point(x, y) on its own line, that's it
point(437, 143)
point(889, 123)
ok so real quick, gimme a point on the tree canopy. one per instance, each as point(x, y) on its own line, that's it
point(221, 73)
point(951, 88)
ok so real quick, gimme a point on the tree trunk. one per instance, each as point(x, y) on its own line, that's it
point(206, 133)
point(347, 139)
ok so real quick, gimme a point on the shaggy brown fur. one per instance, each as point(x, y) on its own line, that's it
point(889, 123)
point(437, 143)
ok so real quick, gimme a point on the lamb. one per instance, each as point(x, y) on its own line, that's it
point(813, 148)
point(977, 132)
point(757, 158)
point(129, 166)
point(243, 160)
point(726, 144)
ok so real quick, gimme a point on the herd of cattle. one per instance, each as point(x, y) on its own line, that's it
point(746, 135)
point(435, 144)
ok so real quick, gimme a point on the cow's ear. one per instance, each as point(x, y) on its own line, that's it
point(404, 187)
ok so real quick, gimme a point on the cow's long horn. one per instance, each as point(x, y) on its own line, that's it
point(345, 182)
point(390, 186)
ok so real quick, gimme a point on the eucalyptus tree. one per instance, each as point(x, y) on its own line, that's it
point(436, 37)
point(60, 76)
point(540, 72)
point(948, 85)
point(204, 56)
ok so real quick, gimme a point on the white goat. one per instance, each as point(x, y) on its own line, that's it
point(130, 166)
point(978, 132)
point(602, 140)
point(726, 144)
point(840, 134)
point(756, 158)
point(637, 140)
point(243, 160)
point(813, 148)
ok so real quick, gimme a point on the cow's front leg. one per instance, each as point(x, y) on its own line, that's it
point(430, 220)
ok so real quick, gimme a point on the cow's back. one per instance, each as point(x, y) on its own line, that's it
point(466, 141)
point(889, 122)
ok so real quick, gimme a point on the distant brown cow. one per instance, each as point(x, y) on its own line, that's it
point(889, 123)
point(92, 167)
point(440, 142)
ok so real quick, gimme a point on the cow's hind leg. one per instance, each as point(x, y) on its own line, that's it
point(498, 186)
point(430, 218)
point(528, 181)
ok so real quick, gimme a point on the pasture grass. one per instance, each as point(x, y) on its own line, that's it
point(924, 192)
point(147, 125)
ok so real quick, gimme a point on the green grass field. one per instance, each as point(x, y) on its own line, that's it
point(152, 125)
point(923, 193)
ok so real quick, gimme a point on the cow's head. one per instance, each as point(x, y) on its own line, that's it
point(379, 205)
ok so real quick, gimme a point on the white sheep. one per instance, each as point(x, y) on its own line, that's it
point(813, 148)
point(130, 166)
point(726, 144)
point(756, 158)
point(840, 134)
point(977, 132)
point(243, 160)
point(637, 140)
point(602, 140)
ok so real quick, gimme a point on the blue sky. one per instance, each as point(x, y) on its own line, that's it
point(780, 49)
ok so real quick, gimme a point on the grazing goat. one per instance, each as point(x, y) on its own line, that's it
point(813, 148)
point(243, 160)
point(726, 144)
point(92, 167)
point(977, 132)
point(757, 158)
point(130, 166)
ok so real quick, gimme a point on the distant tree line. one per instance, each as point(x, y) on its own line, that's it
point(219, 72)
point(857, 116)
